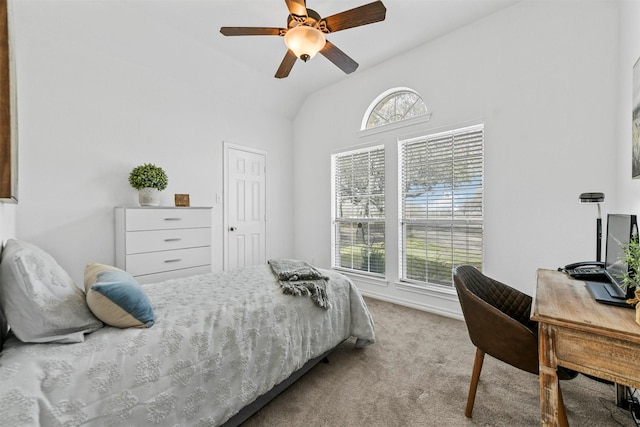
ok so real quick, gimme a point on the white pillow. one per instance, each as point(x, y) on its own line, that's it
point(39, 299)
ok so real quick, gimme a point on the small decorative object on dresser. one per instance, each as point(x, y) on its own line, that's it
point(182, 200)
point(149, 180)
point(156, 244)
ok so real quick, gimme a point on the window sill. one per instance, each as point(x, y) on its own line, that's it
point(364, 278)
point(395, 125)
point(442, 292)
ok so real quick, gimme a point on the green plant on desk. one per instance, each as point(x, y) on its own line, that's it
point(630, 278)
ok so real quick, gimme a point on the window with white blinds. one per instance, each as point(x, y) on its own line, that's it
point(358, 210)
point(441, 197)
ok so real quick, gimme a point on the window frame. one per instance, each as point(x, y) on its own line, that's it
point(395, 124)
point(461, 129)
point(335, 220)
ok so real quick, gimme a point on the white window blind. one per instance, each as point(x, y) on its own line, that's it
point(441, 212)
point(359, 215)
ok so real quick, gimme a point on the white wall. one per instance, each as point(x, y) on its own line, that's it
point(7, 221)
point(103, 87)
point(542, 76)
point(628, 188)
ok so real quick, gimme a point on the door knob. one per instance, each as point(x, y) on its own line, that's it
point(232, 229)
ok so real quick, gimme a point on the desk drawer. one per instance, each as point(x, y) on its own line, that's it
point(595, 353)
point(162, 219)
point(165, 240)
point(156, 262)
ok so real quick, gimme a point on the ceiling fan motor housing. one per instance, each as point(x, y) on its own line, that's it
point(310, 20)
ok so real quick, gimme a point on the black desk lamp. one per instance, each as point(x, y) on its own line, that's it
point(595, 198)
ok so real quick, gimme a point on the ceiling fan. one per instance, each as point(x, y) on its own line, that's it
point(305, 33)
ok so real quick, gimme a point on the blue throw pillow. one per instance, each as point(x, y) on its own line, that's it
point(116, 298)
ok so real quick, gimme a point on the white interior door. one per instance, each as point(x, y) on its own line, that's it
point(245, 207)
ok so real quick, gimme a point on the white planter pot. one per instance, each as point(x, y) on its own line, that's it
point(149, 196)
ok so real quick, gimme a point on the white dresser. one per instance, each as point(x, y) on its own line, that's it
point(155, 244)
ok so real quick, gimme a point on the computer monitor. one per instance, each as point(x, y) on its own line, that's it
point(620, 230)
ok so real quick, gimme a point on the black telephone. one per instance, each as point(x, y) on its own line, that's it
point(586, 270)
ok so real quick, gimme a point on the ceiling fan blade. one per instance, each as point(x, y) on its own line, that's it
point(252, 31)
point(286, 65)
point(367, 14)
point(297, 9)
point(338, 57)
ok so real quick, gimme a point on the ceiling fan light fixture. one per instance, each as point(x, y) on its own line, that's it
point(304, 41)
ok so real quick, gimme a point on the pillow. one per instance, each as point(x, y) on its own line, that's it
point(116, 298)
point(39, 299)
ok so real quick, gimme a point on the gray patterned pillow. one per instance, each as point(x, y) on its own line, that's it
point(39, 299)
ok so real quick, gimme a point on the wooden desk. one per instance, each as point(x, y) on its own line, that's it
point(581, 334)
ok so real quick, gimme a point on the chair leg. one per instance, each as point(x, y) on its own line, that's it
point(475, 377)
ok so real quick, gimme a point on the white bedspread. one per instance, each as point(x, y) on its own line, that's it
point(219, 341)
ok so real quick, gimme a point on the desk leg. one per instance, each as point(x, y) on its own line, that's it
point(551, 413)
point(621, 396)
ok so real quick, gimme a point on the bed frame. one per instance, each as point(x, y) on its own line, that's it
point(4, 330)
point(246, 412)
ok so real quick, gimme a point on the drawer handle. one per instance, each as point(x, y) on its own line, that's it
point(173, 239)
point(173, 260)
point(172, 219)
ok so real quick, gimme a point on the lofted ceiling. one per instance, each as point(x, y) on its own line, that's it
point(408, 24)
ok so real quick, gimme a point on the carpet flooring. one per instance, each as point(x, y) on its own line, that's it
point(417, 374)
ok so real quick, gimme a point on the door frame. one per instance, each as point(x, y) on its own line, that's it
point(226, 147)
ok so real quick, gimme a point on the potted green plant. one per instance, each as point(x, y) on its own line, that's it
point(149, 180)
point(631, 278)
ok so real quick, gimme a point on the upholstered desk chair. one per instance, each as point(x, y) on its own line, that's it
point(497, 318)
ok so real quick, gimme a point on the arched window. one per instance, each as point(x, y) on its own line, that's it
point(393, 106)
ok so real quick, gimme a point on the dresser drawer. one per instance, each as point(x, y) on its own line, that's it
point(165, 240)
point(161, 219)
point(155, 244)
point(173, 274)
point(156, 262)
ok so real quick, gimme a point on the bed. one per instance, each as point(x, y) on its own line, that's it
point(219, 346)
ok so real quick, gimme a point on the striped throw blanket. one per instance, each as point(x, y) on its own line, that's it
point(300, 278)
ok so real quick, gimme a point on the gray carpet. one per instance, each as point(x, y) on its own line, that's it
point(417, 374)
